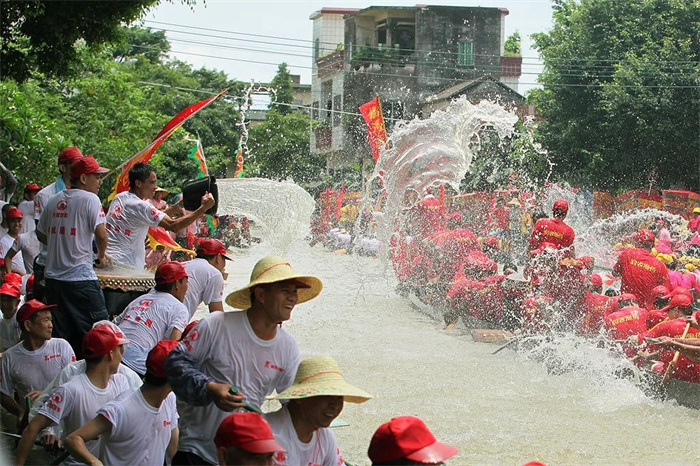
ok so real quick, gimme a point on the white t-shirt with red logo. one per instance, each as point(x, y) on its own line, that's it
point(140, 433)
point(322, 450)
point(76, 402)
point(225, 348)
point(128, 220)
point(205, 285)
point(69, 221)
point(147, 320)
point(24, 371)
point(6, 243)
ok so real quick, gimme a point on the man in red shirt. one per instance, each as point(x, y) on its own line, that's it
point(553, 230)
point(595, 305)
point(630, 320)
point(639, 270)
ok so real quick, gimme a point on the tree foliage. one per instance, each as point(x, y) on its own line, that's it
point(620, 97)
point(282, 83)
point(512, 48)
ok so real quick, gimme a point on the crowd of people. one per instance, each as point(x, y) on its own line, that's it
point(646, 305)
point(149, 385)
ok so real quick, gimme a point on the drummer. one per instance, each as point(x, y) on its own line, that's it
point(130, 215)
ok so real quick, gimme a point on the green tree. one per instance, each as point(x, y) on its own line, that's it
point(282, 83)
point(280, 149)
point(620, 97)
point(512, 48)
point(41, 34)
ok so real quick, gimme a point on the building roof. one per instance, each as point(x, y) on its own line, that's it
point(333, 11)
point(420, 6)
point(462, 86)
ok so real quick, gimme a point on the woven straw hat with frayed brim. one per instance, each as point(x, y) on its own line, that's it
point(321, 376)
point(272, 269)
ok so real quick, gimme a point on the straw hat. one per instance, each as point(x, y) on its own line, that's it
point(272, 269)
point(321, 376)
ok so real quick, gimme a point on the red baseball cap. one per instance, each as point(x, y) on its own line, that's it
point(69, 154)
point(679, 290)
point(169, 272)
point(596, 280)
point(85, 166)
point(560, 205)
point(13, 212)
point(680, 301)
point(212, 247)
point(12, 285)
point(99, 341)
point(155, 362)
point(627, 297)
point(30, 308)
point(659, 292)
point(32, 187)
point(407, 437)
point(30, 284)
point(247, 431)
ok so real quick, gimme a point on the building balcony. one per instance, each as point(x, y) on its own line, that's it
point(511, 66)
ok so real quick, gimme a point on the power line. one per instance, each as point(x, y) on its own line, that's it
point(580, 59)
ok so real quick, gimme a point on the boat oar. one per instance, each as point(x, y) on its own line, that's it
point(502, 347)
point(674, 362)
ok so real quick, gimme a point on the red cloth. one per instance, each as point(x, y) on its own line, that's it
point(483, 299)
point(655, 318)
point(497, 219)
point(685, 369)
point(552, 230)
point(640, 272)
point(626, 322)
point(594, 313)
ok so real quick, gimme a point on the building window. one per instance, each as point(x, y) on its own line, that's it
point(336, 110)
point(329, 112)
point(465, 54)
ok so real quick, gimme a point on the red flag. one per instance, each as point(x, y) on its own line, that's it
point(376, 131)
point(339, 202)
point(159, 237)
point(122, 183)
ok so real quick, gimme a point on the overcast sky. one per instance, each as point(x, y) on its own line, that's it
point(282, 31)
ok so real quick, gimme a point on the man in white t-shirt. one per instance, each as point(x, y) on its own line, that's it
point(65, 162)
point(138, 428)
point(27, 206)
point(246, 349)
point(155, 316)
point(76, 402)
point(130, 215)
point(316, 398)
point(29, 366)
point(206, 284)
point(14, 227)
point(26, 248)
point(68, 224)
point(10, 297)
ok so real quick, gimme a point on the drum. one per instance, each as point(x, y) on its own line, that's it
point(121, 285)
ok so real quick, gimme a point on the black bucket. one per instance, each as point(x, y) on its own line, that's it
point(193, 190)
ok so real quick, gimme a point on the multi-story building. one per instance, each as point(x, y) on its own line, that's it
point(411, 57)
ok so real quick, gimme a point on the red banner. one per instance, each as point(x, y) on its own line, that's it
point(122, 183)
point(376, 131)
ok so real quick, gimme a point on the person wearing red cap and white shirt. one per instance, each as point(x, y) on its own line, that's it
point(10, 299)
point(14, 223)
point(65, 160)
point(76, 402)
point(27, 206)
point(206, 283)
point(70, 221)
point(155, 316)
point(407, 440)
point(245, 439)
point(138, 428)
point(130, 215)
point(553, 230)
point(29, 366)
point(247, 349)
point(640, 272)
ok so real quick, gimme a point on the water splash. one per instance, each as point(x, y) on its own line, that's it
point(434, 151)
point(281, 209)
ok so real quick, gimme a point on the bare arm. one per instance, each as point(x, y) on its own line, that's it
point(176, 334)
point(29, 437)
point(8, 260)
point(101, 241)
point(75, 442)
point(10, 405)
point(172, 445)
point(176, 225)
point(41, 237)
point(216, 307)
